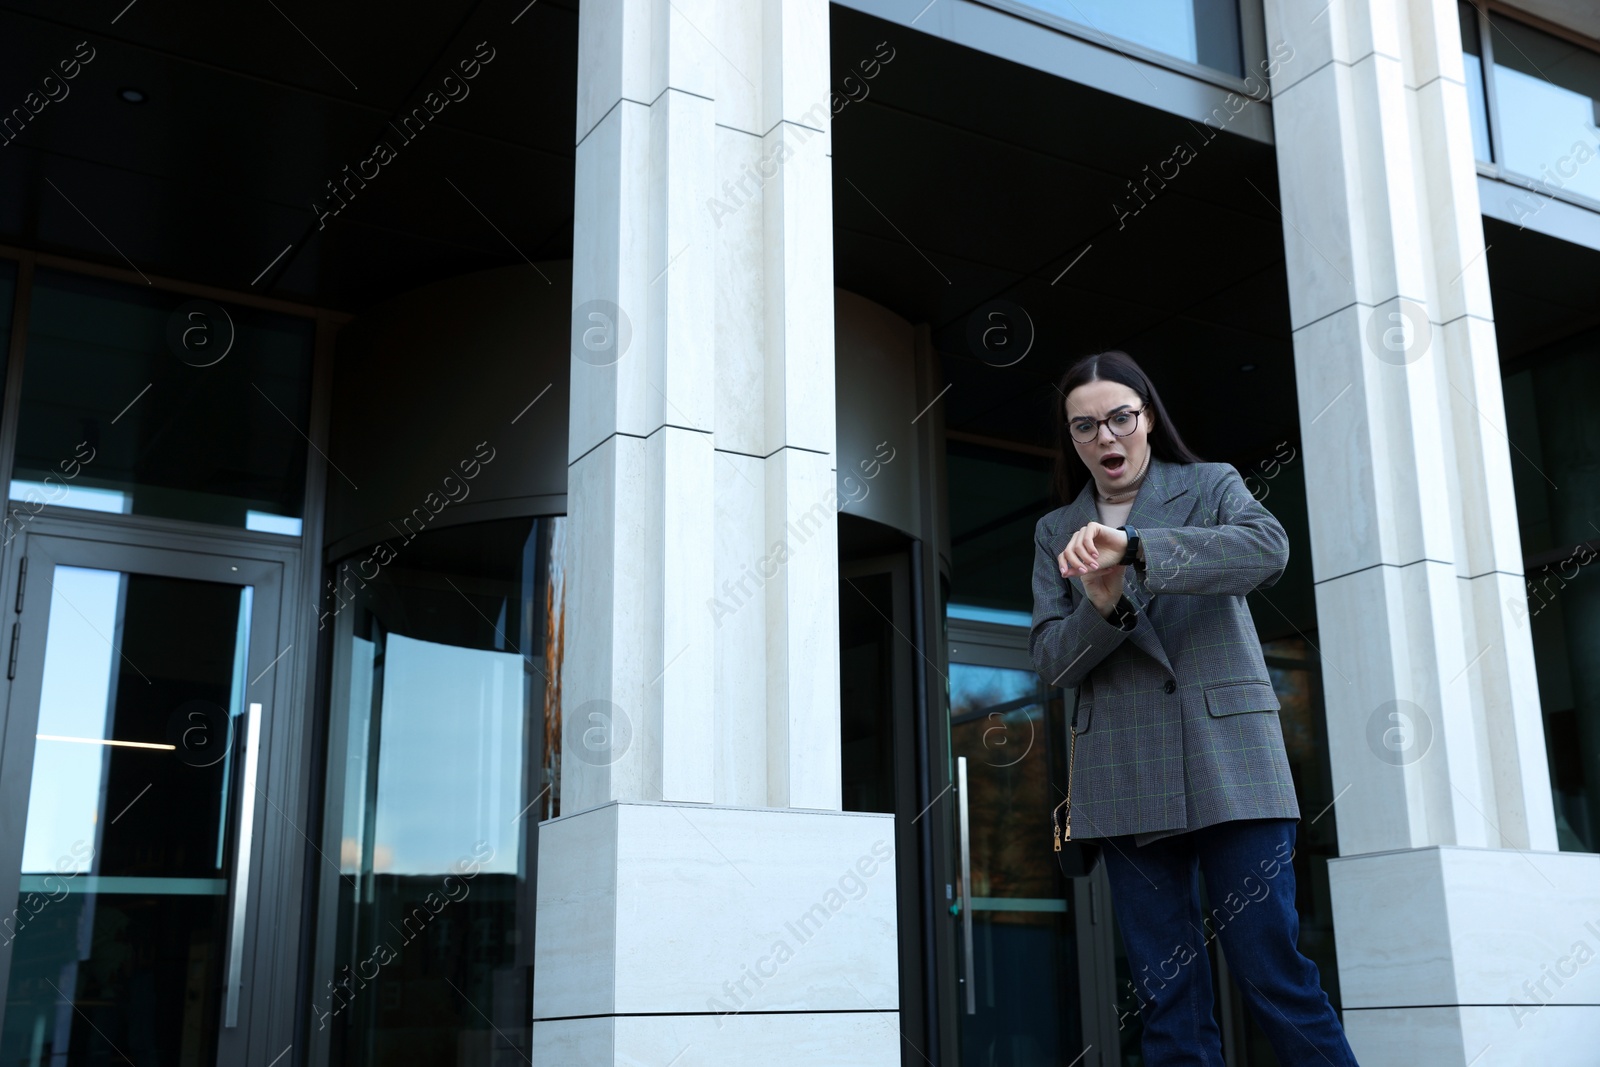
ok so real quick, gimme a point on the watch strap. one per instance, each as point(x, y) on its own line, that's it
point(1131, 553)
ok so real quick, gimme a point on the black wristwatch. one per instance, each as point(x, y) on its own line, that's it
point(1132, 553)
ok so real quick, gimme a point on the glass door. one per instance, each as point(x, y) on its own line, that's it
point(443, 747)
point(1034, 978)
point(139, 705)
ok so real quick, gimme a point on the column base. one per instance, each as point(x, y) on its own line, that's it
point(1452, 956)
point(698, 934)
point(1560, 1035)
point(845, 1039)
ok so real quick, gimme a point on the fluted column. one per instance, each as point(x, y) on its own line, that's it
point(1448, 892)
point(692, 895)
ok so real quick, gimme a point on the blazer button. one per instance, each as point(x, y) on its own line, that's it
point(1171, 686)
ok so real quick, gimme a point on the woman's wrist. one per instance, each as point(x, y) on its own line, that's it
point(1113, 606)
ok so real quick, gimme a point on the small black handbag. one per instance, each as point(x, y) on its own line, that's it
point(1076, 858)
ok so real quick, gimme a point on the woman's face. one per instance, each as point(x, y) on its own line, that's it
point(1114, 461)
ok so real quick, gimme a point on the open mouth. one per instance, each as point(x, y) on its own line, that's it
point(1113, 464)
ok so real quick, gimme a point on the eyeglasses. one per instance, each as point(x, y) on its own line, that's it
point(1084, 430)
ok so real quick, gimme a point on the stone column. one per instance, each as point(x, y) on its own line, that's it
point(701, 894)
point(1449, 893)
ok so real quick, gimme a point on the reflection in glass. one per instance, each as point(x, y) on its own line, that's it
point(116, 942)
point(1002, 616)
point(1546, 95)
point(866, 692)
point(1025, 956)
point(266, 522)
point(439, 767)
point(64, 494)
point(73, 702)
point(1564, 615)
point(1550, 419)
point(131, 403)
point(1205, 32)
point(1472, 59)
point(450, 715)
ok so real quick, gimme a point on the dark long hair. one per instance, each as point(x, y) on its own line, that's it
point(1114, 366)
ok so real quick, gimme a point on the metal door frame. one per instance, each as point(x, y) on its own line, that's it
point(272, 564)
point(909, 889)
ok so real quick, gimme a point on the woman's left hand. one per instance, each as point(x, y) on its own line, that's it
point(1094, 548)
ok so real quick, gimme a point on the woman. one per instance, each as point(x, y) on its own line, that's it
point(1139, 588)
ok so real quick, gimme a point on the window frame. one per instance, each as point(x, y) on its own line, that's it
point(1252, 43)
point(1485, 11)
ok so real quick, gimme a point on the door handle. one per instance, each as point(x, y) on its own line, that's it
point(966, 883)
point(240, 904)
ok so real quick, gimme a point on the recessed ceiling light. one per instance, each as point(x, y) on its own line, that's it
point(1247, 366)
point(131, 95)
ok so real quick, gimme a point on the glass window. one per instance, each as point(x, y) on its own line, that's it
point(1205, 32)
point(443, 747)
point(1547, 92)
point(996, 498)
point(1472, 57)
point(8, 291)
point(144, 402)
point(1550, 415)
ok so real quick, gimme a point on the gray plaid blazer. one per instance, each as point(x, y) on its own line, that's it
point(1177, 725)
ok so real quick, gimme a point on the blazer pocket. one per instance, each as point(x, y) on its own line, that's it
point(1234, 698)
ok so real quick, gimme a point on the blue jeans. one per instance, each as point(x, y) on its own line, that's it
point(1250, 887)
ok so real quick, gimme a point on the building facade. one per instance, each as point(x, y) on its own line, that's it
point(520, 517)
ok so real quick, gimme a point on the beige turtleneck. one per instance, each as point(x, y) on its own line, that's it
point(1115, 515)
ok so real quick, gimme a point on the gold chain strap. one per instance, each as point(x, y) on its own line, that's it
point(1063, 829)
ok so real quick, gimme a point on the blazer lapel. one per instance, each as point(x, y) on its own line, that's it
point(1163, 497)
point(1163, 501)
